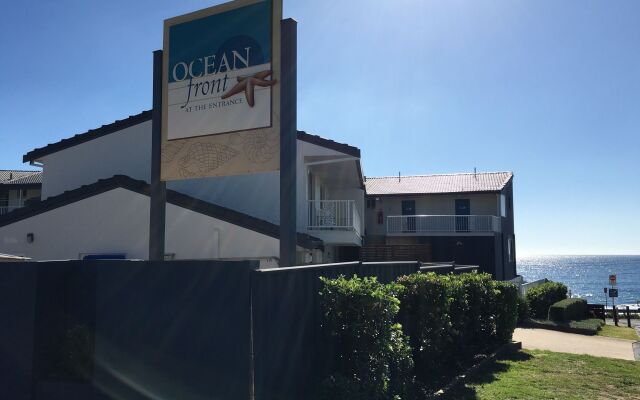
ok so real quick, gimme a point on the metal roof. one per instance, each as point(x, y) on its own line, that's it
point(17, 177)
point(440, 183)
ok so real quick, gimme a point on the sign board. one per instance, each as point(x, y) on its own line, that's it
point(613, 292)
point(612, 280)
point(605, 290)
point(221, 92)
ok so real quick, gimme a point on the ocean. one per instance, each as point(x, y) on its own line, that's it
point(587, 276)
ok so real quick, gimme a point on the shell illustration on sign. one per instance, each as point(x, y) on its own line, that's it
point(171, 149)
point(260, 147)
point(204, 158)
point(247, 85)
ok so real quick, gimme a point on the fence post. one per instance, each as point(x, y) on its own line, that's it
point(628, 318)
point(615, 315)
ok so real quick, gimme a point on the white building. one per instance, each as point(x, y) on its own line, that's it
point(95, 203)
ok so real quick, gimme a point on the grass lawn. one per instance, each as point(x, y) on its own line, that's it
point(618, 332)
point(537, 374)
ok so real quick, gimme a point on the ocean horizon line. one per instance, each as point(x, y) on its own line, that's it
point(579, 255)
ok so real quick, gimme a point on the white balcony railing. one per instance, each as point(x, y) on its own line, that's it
point(414, 224)
point(334, 214)
point(7, 208)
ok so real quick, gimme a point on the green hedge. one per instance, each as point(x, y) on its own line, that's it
point(568, 310)
point(541, 297)
point(444, 321)
point(583, 327)
point(425, 319)
point(523, 310)
point(371, 357)
point(481, 296)
point(506, 310)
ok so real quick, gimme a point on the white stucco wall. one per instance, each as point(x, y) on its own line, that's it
point(126, 152)
point(255, 194)
point(117, 221)
point(259, 194)
point(192, 235)
point(113, 222)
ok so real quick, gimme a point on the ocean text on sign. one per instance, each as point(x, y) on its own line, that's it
point(204, 66)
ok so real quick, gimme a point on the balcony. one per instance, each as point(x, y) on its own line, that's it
point(442, 224)
point(7, 208)
point(328, 215)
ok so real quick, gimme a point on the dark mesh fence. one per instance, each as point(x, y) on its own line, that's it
point(108, 329)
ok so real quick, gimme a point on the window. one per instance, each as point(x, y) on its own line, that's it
point(311, 189)
point(380, 217)
point(510, 249)
point(503, 205)
point(371, 202)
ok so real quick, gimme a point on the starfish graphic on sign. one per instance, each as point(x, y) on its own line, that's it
point(247, 85)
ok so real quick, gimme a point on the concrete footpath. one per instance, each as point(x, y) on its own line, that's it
point(544, 339)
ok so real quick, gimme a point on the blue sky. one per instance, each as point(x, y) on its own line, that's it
point(547, 89)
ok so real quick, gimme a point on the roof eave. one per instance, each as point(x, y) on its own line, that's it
point(20, 185)
point(434, 194)
point(329, 144)
point(179, 199)
point(37, 154)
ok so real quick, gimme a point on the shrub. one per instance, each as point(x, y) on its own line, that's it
point(523, 310)
point(568, 310)
point(401, 365)
point(370, 354)
point(541, 297)
point(458, 311)
point(480, 295)
point(506, 314)
point(445, 320)
point(424, 315)
point(584, 327)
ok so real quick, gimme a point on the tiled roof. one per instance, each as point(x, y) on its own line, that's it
point(17, 177)
point(432, 184)
point(144, 116)
point(173, 197)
